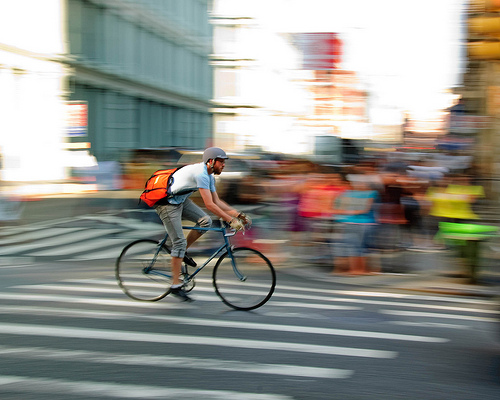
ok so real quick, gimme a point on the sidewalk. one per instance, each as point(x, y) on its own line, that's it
point(440, 273)
point(429, 273)
point(45, 207)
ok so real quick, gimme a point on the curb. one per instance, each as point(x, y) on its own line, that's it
point(398, 282)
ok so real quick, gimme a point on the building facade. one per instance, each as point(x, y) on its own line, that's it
point(481, 92)
point(259, 96)
point(143, 68)
point(139, 70)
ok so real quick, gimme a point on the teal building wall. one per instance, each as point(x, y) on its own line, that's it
point(143, 68)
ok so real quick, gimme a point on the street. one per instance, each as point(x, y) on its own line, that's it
point(69, 332)
point(355, 196)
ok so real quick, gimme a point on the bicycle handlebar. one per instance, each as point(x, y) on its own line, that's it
point(223, 228)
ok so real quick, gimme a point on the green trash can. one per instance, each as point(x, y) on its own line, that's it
point(469, 236)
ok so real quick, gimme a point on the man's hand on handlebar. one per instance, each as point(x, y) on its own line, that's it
point(236, 224)
point(247, 221)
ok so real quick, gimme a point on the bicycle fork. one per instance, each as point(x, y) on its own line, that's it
point(237, 272)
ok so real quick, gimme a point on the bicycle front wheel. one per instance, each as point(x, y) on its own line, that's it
point(143, 270)
point(246, 285)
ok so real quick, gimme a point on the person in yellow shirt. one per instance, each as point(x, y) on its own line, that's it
point(454, 199)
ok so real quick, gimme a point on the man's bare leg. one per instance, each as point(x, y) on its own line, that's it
point(176, 270)
point(176, 288)
point(192, 237)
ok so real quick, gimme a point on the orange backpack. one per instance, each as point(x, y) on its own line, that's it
point(157, 186)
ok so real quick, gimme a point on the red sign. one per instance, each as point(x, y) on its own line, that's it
point(77, 118)
point(322, 50)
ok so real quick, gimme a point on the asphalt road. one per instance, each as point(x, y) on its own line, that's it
point(68, 332)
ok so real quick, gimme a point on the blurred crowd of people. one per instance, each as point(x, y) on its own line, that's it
point(376, 205)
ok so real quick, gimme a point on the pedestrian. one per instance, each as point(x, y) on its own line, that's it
point(177, 206)
point(355, 210)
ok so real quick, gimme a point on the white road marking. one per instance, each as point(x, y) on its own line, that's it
point(59, 241)
point(125, 302)
point(116, 289)
point(22, 384)
point(70, 288)
point(38, 234)
point(363, 293)
point(99, 357)
point(78, 247)
point(429, 324)
point(239, 325)
point(16, 262)
point(316, 306)
point(437, 315)
point(130, 336)
point(383, 303)
point(280, 288)
point(278, 294)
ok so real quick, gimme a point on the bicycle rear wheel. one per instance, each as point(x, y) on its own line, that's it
point(247, 286)
point(143, 270)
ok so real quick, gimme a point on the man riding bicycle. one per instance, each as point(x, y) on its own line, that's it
point(177, 206)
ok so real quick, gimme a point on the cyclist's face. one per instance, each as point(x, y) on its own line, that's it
point(219, 166)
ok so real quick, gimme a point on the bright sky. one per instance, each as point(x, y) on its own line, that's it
point(407, 52)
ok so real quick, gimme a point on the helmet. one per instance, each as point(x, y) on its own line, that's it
point(212, 153)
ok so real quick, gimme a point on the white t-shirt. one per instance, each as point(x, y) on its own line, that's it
point(188, 180)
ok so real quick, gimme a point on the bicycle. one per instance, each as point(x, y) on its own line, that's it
point(242, 277)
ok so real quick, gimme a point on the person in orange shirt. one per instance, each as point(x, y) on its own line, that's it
point(314, 207)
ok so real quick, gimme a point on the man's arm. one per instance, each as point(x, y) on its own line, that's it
point(215, 205)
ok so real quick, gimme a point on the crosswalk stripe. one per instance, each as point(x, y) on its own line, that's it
point(429, 324)
point(210, 290)
point(103, 254)
point(239, 325)
point(383, 303)
point(130, 336)
point(125, 302)
point(88, 289)
point(78, 247)
point(131, 223)
point(278, 293)
point(59, 241)
point(437, 315)
point(174, 362)
point(25, 384)
point(362, 293)
point(316, 306)
point(11, 230)
point(38, 234)
point(352, 296)
point(114, 289)
point(72, 288)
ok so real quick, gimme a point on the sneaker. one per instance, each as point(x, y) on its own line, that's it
point(189, 261)
point(180, 294)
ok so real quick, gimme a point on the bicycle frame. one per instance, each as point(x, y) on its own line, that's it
point(227, 246)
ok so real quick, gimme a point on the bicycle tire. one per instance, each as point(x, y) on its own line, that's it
point(258, 284)
point(134, 276)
